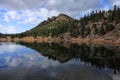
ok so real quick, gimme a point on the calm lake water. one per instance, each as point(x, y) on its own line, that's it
point(44, 61)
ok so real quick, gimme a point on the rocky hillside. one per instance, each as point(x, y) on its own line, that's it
point(99, 24)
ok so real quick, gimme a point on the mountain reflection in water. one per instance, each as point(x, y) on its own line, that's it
point(96, 55)
point(52, 61)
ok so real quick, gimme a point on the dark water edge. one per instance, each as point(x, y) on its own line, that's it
point(52, 61)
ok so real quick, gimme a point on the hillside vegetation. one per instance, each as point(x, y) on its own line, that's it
point(97, 24)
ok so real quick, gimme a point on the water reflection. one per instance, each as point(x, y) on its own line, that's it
point(97, 55)
point(51, 61)
point(12, 55)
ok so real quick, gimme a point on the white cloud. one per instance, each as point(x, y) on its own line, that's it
point(9, 29)
point(67, 6)
point(29, 20)
point(36, 16)
point(20, 4)
point(117, 3)
point(114, 1)
point(29, 16)
point(70, 7)
point(13, 55)
point(6, 18)
point(11, 15)
point(11, 48)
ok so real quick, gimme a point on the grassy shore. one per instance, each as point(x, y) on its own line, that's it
point(58, 40)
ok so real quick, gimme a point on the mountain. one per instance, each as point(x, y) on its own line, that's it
point(52, 27)
point(97, 24)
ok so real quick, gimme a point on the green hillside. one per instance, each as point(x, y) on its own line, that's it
point(52, 27)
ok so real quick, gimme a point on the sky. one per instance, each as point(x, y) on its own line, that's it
point(17, 16)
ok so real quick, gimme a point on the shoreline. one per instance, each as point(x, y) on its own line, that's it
point(66, 40)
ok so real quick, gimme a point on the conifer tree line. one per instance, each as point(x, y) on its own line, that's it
point(97, 23)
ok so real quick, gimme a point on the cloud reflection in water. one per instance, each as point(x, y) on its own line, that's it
point(12, 55)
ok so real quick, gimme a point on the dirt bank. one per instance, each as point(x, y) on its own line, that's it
point(58, 39)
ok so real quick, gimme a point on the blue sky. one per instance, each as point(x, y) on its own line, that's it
point(20, 15)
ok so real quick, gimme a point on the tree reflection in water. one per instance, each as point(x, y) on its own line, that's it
point(99, 56)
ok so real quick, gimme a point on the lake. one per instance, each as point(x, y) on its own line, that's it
point(63, 61)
